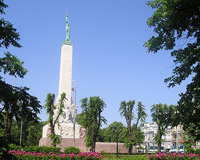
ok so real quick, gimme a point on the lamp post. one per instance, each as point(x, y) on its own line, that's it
point(117, 132)
point(176, 134)
point(20, 140)
point(74, 118)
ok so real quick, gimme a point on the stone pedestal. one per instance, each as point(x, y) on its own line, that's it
point(65, 131)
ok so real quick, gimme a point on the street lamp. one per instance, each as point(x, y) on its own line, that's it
point(20, 140)
point(118, 129)
point(74, 118)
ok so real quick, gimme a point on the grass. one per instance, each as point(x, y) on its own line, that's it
point(126, 157)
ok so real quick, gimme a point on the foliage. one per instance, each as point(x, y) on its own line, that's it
point(15, 147)
point(15, 102)
point(72, 150)
point(126, 157)
point(31, 132)
point(137, 139)
point(91, 118)
point(172, 156)
point(53, 156)
point(163, 115)
point(42, 149)
point(188, 149)
point(12, 65)
point(109, 134)
point(55, 139)
point(188, 138)
point(177, 25)
point(126, 110)
point(8, 35)
point(4, 148)
point(37, 149)
point(54, 118)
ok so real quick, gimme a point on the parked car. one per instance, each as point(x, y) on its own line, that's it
point(153, 149)
point(177, 149)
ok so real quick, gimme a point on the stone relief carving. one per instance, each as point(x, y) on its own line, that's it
point(82, 133)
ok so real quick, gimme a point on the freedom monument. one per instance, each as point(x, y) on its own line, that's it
point(66, 128)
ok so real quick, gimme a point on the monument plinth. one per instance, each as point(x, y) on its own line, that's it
point(65, 127)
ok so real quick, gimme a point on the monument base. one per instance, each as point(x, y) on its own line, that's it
point(65, 130)
point(108, 147)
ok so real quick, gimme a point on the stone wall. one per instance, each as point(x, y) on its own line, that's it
point(110, 147)
point(66, 142)
point(80, 143)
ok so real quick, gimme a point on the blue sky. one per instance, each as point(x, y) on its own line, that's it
point(109, 59)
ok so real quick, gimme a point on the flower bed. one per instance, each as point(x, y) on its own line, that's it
point(173, 156)
point(52, 156)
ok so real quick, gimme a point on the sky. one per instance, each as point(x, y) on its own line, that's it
point(109, 59)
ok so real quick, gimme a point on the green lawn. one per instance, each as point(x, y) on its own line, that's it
point(126, 157)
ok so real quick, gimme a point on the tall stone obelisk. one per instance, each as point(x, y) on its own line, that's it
point(65, 127)
point(65, 82)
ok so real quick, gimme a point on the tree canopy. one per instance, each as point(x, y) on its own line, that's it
point(109, 134)
point(54, 118)
point(8, 35)
point(15, 102)
point(126, 110)
point(177, 27)
point(163, 115)
point(91, 118)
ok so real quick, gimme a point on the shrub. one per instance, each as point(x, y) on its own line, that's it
point(72, 150)
point(42, 149)
point(197, 151)
point(14, 147)
point(52, 156)
point(189, 149)
point(173, 156)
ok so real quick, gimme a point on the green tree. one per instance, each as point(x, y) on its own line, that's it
point(113, 128)
point(126, 110)
point(31, 132)
point(163, 115)
point(177, 27)
point(137, 139)
point(188, 138)
point(109, 134)
point(54, 118)
point(15, 102)
point(91, 118)
point(9, 35)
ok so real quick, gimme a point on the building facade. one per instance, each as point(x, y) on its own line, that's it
point(177, 135)
point(150, 131)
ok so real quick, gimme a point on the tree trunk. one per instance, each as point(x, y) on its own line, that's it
point(133, 134)
point(130, 149)
point(52, 123)
point(131, 144)
point(159, 139)
point(93, 142)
